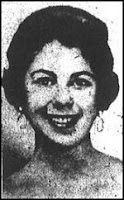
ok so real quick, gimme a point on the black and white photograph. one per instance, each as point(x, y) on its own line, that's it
point(62, 100)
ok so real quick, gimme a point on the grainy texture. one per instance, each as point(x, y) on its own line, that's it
point(18, 136)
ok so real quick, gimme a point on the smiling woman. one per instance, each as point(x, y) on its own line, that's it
point(60, 77)
point(68, 93)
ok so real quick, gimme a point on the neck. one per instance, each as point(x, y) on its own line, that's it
point(58, 156)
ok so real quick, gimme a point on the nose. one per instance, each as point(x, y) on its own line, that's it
point(63, 99)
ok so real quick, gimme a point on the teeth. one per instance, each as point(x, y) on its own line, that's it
point(60, 120)
point(65, 120)
point(61, 125)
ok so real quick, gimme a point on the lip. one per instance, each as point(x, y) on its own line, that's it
point(63, 121)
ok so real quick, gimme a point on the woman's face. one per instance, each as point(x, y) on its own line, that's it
point(61, 94)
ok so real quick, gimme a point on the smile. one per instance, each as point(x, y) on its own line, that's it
point(63, 121)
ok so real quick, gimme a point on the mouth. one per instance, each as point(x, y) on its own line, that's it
point(63, 121)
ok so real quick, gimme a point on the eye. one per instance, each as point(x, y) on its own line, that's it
point(45, 81)
point(79, 83)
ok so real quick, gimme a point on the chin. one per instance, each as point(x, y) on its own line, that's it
point(58, 146)
point(68, 137)
point(65, 136)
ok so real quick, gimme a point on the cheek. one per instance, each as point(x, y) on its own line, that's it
point(85, 99)
point(39, 98)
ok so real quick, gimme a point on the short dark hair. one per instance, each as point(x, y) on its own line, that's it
point(72, 27)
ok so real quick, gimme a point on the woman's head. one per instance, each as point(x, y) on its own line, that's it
point(67, 40)
point(61, 93)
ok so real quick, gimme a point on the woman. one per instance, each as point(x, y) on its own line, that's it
point(60, 77)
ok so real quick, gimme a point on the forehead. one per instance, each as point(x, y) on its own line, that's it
point(58, 58)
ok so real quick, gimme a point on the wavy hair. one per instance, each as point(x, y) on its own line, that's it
point(72, 27)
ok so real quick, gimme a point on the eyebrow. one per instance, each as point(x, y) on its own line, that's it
point(74, 75)
point(50, 73)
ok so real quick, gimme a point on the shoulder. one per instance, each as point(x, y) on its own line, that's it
point(107, 171)
point(105, 162)
point(25, 183)
point(108, 161)
point(11, 185)
point(17, 184)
